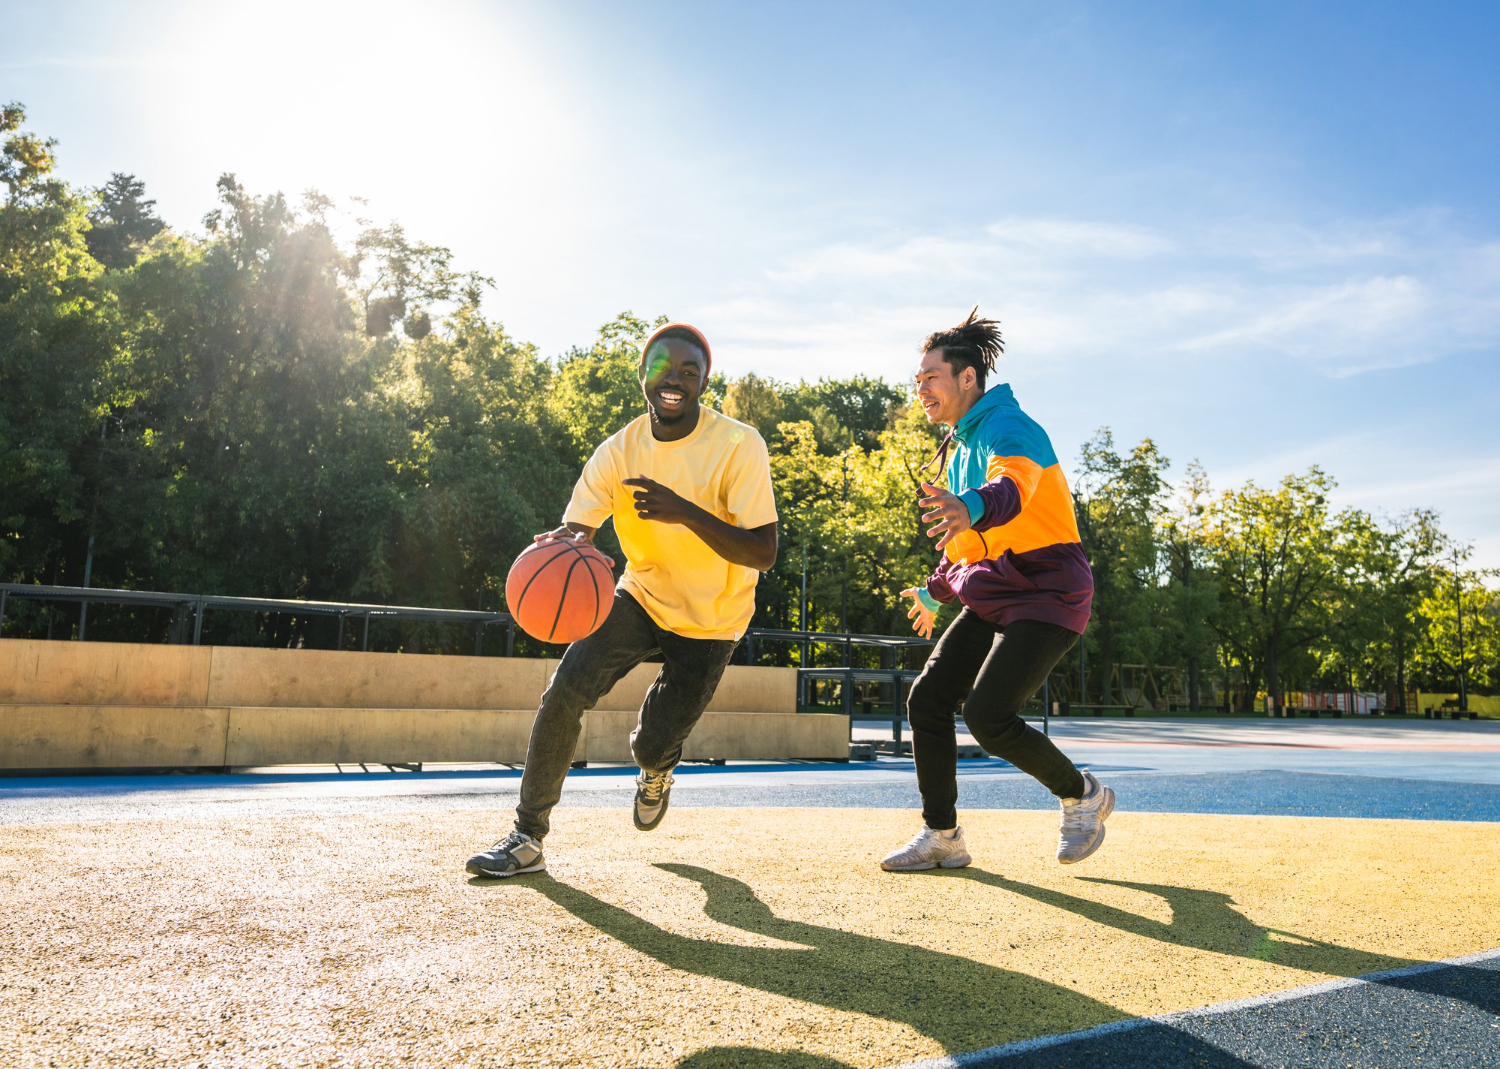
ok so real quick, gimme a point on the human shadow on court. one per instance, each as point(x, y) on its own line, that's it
point(961, 1004)
point(1203, 920)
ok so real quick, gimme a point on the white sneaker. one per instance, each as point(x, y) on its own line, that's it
point(1083, 821)
point(929, 849)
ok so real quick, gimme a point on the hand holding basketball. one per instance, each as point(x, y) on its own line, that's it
point(561, 532)
point(560, 589)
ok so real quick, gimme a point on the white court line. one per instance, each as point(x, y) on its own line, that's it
point(1025, 1046)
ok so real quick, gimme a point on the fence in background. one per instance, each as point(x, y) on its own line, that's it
point(191, 609)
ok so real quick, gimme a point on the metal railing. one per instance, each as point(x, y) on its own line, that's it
point(196, 607)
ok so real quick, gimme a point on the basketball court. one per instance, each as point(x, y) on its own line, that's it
point(322, 917)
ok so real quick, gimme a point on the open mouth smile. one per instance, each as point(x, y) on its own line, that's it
point(670, 398)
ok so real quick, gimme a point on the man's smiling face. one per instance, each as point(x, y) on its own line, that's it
point(941, 393)
point(672, 379)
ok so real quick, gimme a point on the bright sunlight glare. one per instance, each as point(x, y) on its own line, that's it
point(384, 101)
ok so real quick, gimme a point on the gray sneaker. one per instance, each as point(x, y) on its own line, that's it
point(1083, 821)
point(652, 792)
point(511, 856)
point(929, 849)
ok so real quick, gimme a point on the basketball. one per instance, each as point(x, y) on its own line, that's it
point(560, 591)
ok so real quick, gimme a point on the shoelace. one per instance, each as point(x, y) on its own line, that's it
point(652, 786)
point(921, 837)
point(509, 843)
point(1074, 818)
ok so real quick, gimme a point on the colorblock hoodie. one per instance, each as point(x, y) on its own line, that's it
point(1022, 559)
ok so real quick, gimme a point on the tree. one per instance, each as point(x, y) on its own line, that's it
point(1437, 654)
point(1119, 500)
point(855, 517)
point(1278, 558)
point(397, 280)
point(1377, 622)
point(1192, 587)
point(756, 401)
point(597, 390)
point(122, 222)
point(478, 477)
point(56, 346)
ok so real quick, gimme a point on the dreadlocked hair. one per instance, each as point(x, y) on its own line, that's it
point(974, 343)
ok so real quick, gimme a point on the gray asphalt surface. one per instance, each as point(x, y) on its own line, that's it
point(1448, 1018)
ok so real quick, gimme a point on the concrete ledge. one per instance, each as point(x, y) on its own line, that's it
point(80, 736)
point(743, 689)
point(735, 736)
point(128, 705)
point(38, 672)
point(111, 736)
point(337, 679)
point(276, 736)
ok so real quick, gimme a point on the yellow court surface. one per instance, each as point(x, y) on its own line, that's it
point(728, 937)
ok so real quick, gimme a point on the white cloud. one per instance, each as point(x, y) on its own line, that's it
point(1062, 236)
point(1344, 300)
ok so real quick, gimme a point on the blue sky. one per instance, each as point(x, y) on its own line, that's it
point(1265, 235)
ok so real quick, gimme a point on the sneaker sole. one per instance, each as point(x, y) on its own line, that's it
point(476, 870)
point(926, 866)
point(1104, 811)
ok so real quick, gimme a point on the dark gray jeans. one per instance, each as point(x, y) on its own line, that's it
point(992, 671)
point(589, 668)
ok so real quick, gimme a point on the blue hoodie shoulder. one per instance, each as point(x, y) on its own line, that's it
point(995, 427)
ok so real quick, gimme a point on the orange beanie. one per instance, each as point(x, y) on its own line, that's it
point(708, 356)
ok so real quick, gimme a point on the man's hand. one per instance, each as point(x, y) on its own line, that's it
point(949, 516)
point(653, 501)
point(752, 548)
point(921, 616)
point(575, 531)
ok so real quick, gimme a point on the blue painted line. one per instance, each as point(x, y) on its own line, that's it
point(886, 784)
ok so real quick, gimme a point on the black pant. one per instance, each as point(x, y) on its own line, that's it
point(591, 666)
point(998, 668)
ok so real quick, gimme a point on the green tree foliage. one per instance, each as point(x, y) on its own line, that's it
point(1280, 557)
point(1391, 569)
point(57, 342)
point(1192, 590)
point(122, 222)
point(1118, 499)
point(598, 390)
point(853, 518)
point(1438, 651)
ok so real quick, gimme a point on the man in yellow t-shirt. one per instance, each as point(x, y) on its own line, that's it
point(690, 493)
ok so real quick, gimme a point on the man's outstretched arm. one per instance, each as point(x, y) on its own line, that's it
point(753, 547)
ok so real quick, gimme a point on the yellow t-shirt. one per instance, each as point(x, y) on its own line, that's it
point(723, 468)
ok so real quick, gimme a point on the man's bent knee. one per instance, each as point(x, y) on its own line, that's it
point(925, 705)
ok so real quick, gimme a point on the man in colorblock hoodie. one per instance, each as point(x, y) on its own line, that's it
point(1012, 558)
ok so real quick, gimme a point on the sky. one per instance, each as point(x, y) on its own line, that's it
point(1265, 235)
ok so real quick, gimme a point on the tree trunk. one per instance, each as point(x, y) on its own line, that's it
point(1106, 648)
point(1400, 702)
point(1273, 677)
point(1195, 679)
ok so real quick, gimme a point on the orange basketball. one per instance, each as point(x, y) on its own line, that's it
point(560, 591)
